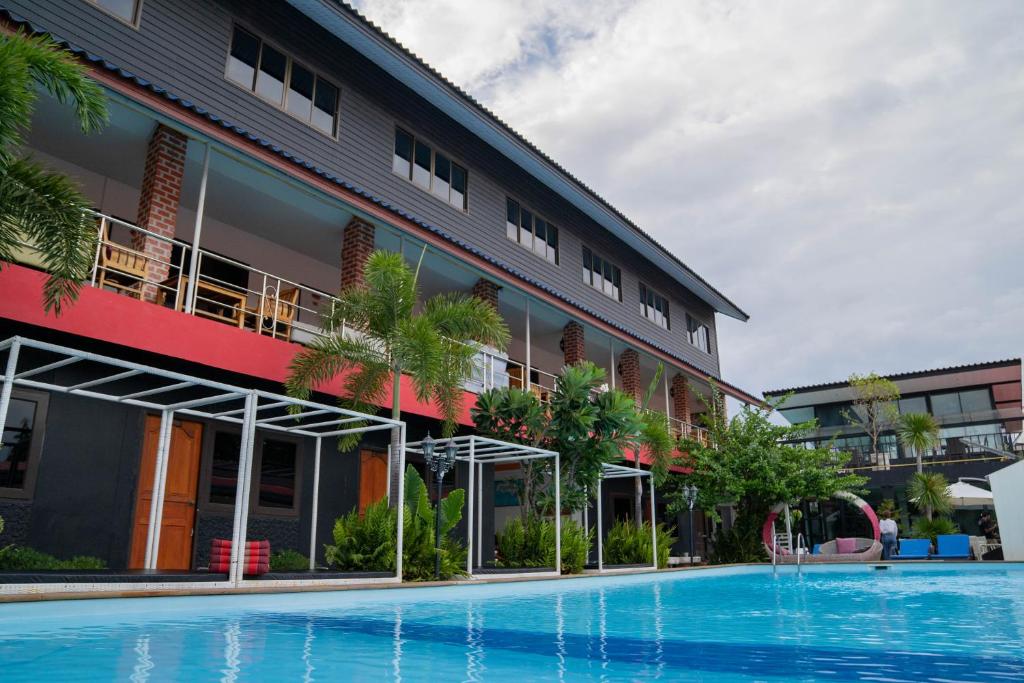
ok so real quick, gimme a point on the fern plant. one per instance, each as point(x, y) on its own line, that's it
point(364, 543)
point(627, 543)
point(533, 545)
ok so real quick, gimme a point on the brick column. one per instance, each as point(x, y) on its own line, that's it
point(487, 291)
point(356, 247)
point(681, 397)
point(159, 200)
point(573, 347)
point(629, 373)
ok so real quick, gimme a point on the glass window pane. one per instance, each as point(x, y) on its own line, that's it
point(512, 219)
point(460, 180)
point(277, 474)
point(325, 107)
point(300, 92)
point(224, 472)
point(916, 404)
point(946, 404)
point(245, 53)
point(17, 443)
point(526, 233)
point(442, 175)
point(401, 164)
point(975, 400)
point(270, 79)
point(540, 233)
point(121, 8)
point(421, 165)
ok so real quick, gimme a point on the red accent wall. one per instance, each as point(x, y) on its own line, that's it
point(121, 320)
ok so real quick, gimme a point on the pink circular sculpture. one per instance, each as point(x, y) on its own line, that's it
point(857, 501)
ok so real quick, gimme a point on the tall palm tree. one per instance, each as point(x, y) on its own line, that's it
point(376, 335)
point(918, 432)
point(36, 206)
point(931, 492)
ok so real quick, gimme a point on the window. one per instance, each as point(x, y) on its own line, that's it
point(956, 403)
point(798, 415)
point(22, 441)
point(945, 404)
point(276, 473)
point(602, 274)
point(833, 415)
point(697, 334)
point(126, 10)
point(281, 80)
point(530, 231)
point(654, 306)
point(434, 171)
point(914, 404)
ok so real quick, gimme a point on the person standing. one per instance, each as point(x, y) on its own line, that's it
point(890, 535)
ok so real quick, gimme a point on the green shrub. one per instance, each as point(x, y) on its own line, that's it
point(627, 543)
point(20, 558)
point(575, 544)
point(930, 528)
point(364, 543)
point(288, 561)
point(418, 554)
point(734, 547)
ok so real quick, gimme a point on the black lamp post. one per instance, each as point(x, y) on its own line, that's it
point(690, 496)
point(439, 464)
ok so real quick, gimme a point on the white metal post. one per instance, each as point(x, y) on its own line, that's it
point(316, 500)
point(243, 528)
point(387, 487)
point(8, 387)
point(654, 528)
point(586, 522)
point(611, 356)
point(668, 403)
point(526, 370)
point(156, 510)
point(600, 528)
point(480, 514)
point(558, 515)
point(193, 265)
point(470, 509)
point(240, 487)
point(400, 525)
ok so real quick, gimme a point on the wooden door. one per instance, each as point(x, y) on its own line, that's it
point(179, 514)
point(373, 478)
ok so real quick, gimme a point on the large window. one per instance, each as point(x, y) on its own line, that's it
point(275, 473)
point(602, 274)
point(434, 171)
point(527, 229)
point(798, 415)
point(126, 10)
point(22, 443)
point(913, 404)
point(654, 306)
point(286, 83)
point(697, 334)
point(959, 402)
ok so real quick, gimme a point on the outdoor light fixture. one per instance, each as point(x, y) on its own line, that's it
point(690, 496)
point(439, 463)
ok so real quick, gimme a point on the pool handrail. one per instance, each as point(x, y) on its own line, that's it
point(799, 544)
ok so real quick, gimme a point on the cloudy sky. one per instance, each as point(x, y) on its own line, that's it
point(850, 173)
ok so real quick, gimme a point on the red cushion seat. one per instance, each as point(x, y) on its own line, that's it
point(255, 563)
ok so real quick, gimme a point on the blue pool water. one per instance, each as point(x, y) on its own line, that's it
point(933, 623)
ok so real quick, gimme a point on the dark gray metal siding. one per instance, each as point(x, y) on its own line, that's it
point(182, 45)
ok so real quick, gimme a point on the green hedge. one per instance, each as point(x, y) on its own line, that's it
point(288, 561)
point(627, 543)
point(20, 558)
point(533, 545)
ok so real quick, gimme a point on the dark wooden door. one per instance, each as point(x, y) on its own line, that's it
point(373, 478)
point(179, 514)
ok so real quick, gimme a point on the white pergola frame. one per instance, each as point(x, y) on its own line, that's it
point(221, 405)
point(610, 471)
point(478, 451)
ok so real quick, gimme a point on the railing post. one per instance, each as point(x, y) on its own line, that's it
point(526, 370)
point(99, 248)
point(193, 269)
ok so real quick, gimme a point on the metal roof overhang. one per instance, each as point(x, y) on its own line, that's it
point(344, 24)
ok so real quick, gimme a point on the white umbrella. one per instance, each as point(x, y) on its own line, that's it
point(966, 495)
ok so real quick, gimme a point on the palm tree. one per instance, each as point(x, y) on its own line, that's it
point(36, 206)
point(918, 432)
point(655, 436)
point(392, 338)
point(931, 492)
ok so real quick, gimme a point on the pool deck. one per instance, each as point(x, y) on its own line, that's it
point(269, 587)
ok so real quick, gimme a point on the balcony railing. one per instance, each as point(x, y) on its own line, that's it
point(142, 264)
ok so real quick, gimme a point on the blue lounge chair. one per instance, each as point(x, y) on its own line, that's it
point(817, 549)
point(953, 547)
point(913, 549)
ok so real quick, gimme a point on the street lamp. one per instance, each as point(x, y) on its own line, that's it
point(439, 463)
point(690, 496)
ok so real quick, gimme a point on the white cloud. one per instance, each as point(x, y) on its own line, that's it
point(849, 173)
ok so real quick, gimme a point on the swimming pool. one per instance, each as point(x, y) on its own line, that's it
point(940, 622)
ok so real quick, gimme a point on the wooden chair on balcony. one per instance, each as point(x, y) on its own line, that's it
point(121, 268)
point(286, 304)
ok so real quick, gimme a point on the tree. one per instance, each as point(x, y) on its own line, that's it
point(930, 491)
point(754, 464)
point(874, 405)
point(655, 438)
point(585, 426)
point(36, 206)
point(918, 432)
point(375, 334)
